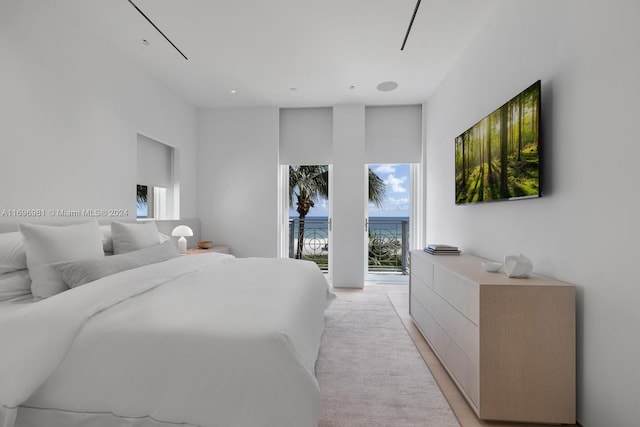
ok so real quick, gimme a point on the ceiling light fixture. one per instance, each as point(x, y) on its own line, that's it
point(352, 87)
point(145, 42)
point(293, 89)
point(233, 91)
point(157, 29)
point(406, 36)
point(387, 86)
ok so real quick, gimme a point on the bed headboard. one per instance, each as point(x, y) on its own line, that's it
point(165, 226)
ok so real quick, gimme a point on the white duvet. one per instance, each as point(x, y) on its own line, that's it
point(205, 340)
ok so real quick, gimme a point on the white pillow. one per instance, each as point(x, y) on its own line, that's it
point(15, 284)
point(76, 273)
point(12, 256)
point(129, 237)
point(46, 245)
point(107, 240)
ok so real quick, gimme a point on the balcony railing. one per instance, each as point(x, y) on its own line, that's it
point(388, 243)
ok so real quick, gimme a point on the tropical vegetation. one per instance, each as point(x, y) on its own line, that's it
point(310, 184)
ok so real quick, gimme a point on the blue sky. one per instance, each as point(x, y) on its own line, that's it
point(396, 203)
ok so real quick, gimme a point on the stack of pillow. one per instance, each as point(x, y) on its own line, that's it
point(45, 260)
point(14, 276)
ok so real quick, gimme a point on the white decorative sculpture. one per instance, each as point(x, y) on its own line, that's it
point(517, 266)
point(492, 267)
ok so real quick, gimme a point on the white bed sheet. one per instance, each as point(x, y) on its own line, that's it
point(15, 304)
point(205, 340)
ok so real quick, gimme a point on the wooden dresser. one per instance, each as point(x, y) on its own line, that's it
point(509, 344)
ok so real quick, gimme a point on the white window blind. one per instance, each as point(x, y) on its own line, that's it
point(306, 136)
point(393, 134)
point(155, 161)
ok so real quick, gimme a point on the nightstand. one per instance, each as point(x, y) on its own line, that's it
point(218, 249)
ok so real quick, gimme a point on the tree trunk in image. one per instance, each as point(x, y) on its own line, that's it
point(519, 127)
point(300, 238)
point(304, 204)
point(488, 157)
point(504, 111)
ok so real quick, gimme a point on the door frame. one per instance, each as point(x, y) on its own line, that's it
point(283, 215)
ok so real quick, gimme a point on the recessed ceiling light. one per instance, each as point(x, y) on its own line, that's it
point(387, 86)
point(352, 87)
point(233, 91)
point(293, 89)
point(145, 42)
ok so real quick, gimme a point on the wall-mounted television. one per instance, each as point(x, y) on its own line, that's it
point(498, 158)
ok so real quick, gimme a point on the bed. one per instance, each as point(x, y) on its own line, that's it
point(201, 340)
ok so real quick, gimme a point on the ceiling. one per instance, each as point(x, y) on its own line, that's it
point(329, 51)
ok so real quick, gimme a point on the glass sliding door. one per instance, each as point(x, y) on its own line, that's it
point(309, 222)
point(387, 223)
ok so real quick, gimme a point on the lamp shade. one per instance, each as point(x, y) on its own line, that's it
point(182, 231)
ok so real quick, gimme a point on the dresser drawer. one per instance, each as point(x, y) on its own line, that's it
point(422, 269)
point(424, 320)
point(460, 293)
point(419, 290)
point(464, 370)
point(461, 330)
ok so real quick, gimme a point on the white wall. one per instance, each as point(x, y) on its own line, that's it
point(585, 229)
point(237, 178)
point(348, 189)
point(70, 112)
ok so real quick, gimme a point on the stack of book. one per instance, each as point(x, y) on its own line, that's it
point(442, 250)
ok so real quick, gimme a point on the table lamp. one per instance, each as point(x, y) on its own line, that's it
point(182, 231)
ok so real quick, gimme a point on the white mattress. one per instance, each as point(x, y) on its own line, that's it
point(205, 340)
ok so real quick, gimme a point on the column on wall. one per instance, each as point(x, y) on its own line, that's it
point(347, 247)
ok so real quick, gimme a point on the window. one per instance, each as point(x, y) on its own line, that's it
point(144, 201)
point(156, 189)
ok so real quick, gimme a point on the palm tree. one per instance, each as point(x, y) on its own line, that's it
point(311, 183)
point(141, 195)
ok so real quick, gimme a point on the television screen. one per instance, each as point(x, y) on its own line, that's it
point(499, 157)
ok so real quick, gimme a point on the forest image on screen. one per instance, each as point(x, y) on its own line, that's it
point(498, 158)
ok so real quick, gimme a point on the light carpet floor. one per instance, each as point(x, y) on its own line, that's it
point(370, 372)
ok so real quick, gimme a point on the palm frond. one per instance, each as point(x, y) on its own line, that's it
point(312, 181)
point(377, 189)
point(141, 194)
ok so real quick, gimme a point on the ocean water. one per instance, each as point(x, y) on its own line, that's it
point(318, 226)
